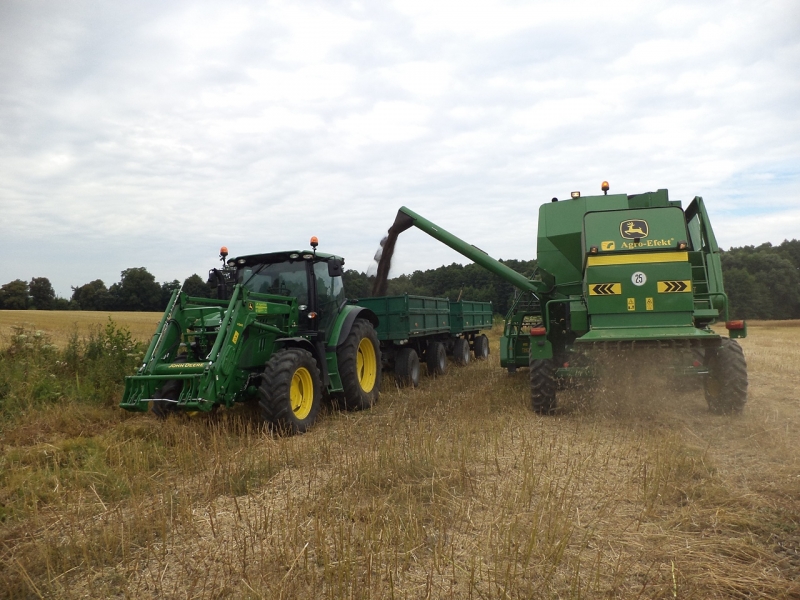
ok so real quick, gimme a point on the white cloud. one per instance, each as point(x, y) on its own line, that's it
point(150, 135)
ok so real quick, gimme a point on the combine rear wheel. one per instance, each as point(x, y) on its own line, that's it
point(436, 358)
point(726, 383)
point(406, 368)
point(480, 347)
point(461, 352)
point(290, 394)
point(359, 359)
point(543, 385)
point(171, 390)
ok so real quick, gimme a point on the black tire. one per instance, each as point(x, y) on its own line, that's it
point(171, 390)
point(436, 359)
point(543, 385)
point(461, 352)
point(290, 394)
point(480, 347)
point(406, 368)
point(359, 359)
point(726, 383)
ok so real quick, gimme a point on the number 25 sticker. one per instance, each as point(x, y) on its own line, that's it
point(638, 278)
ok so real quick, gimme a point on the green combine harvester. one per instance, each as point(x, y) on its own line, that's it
point(621, 273)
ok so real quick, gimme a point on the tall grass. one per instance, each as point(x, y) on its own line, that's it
point(454, 489)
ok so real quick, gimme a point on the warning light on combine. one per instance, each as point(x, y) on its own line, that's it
point(735, 325)
point(605, 187)
point(223, 252)
point(314, 241)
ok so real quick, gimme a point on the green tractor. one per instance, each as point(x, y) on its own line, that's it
point(280, 334)
point(620, 273)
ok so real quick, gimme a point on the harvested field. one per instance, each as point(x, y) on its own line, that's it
point(61, 324)
point(451, 490)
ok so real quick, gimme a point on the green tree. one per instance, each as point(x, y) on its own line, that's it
point(136, 291)
point(166, 291)
point(43, 297)
point(195, 286)
point(92, 296)
point(14, 295)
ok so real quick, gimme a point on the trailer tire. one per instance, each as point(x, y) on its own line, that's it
point(543, 385)
point(359, 358)
point(726, 383)
point(406, 368)
point(290, 394)
point(461, 352)
point(480, 347)
point(436, 359)
point(170, 390)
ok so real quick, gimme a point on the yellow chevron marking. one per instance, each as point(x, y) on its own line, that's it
point(673, 287)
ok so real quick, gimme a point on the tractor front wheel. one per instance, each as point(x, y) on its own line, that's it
point(290, 394)
point(726, 383)
point(170, 392)
point(436, 359)
point(543, 385)
point(359, 359)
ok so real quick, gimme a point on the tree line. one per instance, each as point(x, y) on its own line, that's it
point(762, 282)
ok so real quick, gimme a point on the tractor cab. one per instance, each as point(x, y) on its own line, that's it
point(314, 279)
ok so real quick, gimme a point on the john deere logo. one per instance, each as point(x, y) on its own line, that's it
point(633, 228)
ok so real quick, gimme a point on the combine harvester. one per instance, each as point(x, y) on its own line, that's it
point(282, 334)
point(615, 272)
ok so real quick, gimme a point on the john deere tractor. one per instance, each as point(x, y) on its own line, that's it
point(280, 334)
point(619, 272)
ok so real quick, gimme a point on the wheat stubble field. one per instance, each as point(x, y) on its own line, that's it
point(452, 490)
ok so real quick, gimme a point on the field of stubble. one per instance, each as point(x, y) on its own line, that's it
point(451, 490)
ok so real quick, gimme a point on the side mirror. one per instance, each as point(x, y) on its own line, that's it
point(335, 267)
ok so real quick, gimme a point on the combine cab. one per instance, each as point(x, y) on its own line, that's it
point(616, 272)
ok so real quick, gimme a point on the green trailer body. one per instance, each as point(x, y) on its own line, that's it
point(407, 316)
point(414, 328)
point(466, 315)
point(621, 272)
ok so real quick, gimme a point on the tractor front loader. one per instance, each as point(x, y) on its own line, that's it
point(280, 335)
point(615, 272)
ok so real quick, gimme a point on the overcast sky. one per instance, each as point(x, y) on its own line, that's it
point(150, 133)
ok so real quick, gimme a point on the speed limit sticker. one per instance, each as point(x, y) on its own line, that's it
point(638, 278)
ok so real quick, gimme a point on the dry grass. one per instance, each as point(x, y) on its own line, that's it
point(61, 324)
point(452, 490)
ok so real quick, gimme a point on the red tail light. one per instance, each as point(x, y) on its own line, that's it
point(538, 331)
point(734, 325)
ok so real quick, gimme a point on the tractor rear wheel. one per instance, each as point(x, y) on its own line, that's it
point(359, 359)
point(480, 347)
point(436, 358)
point(406, 368)
point(290, 394)
point(543, 385)
point(171, 390)
point(726, 383)
point(461, 352)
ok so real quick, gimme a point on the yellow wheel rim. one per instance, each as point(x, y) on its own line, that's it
point(302, 393)
point(366, 365)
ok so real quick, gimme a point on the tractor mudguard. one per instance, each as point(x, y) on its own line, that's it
point(317, 350)
point(344, 324)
